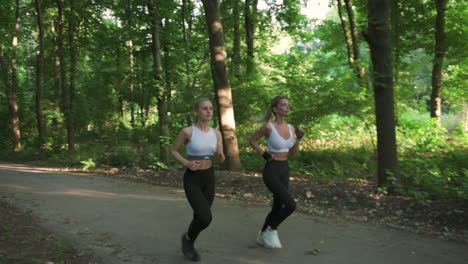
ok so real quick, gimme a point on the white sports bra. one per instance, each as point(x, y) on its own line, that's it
point(202, 145)
point(276, 143)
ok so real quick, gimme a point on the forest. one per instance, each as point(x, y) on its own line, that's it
point(380, 86)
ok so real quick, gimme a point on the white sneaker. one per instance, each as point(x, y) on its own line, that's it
point(260, 239)
point(269, 238)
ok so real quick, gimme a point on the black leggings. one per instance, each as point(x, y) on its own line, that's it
point(276, 178)
point(199, 188)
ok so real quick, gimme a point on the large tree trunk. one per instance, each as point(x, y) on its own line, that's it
point(73, 61)
point(40, 76)
point(436, 99)
point(219, 72)
point(12, 86)
point(381, 55)
point(158, 80)
point(250, 9)
point(12, 104)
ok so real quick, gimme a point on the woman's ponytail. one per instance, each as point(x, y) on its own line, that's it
point(270, 113)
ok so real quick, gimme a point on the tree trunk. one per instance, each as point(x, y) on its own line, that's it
point(250, 9)
point(440, 45)
point(12, 86)
point(73, 61)
point(219, 72)
point(57, 81)
point(40, 76)
point(187, 33)
point(158, 80)
point(347, 34)
point(360, 70)
point(12, 104)
point(186, 36)
point(185, 41)
point(381, 55)
point(62, 65)
point(131, 62)
point(236, 50)
point(395, 18)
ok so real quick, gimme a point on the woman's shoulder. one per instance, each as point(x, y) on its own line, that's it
point(215, 130)
point(266, 128)
point(187, 131)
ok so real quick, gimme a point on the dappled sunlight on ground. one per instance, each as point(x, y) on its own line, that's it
point(90, 193)
point(27, 168)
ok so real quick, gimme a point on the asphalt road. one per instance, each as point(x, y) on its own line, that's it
point(127, 222)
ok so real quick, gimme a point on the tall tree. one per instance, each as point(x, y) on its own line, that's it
point(61, 62)
point(349, 27)
point(57, 78)
point(186, 36)
point(250, 10)
point(158, 80)
point(360, 70)
point(11, 87)
point(347, 33)
point(219, 72)
point(236, 48)
point(131, 60)
point(378, 37)
point(73, 63)
point(40, 75)
point(395, 32)
point(440, 47)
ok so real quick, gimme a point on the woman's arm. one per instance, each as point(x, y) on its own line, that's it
point(264, 131)
point(300, 133)
point(219, 148)
point(180, 140)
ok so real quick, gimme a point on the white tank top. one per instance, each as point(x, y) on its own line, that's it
point(276, 143)
point(202, 145)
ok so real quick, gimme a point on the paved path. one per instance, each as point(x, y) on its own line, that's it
point(126, 222)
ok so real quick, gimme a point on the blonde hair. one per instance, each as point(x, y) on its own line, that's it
point(274, 102)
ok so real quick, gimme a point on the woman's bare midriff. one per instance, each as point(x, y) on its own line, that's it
point(280, 155)
point(205, 164)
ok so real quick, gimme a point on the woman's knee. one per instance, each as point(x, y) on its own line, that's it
point(205, 220)
point(291, 206)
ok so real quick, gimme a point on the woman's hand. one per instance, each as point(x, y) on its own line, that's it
point(268, 156)
point(193, 164)
point(299, 132)
point(221, 157)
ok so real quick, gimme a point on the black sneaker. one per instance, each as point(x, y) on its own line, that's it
point(188, 249)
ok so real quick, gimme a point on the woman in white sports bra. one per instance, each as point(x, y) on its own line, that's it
point(282, 140)
point(202, 142)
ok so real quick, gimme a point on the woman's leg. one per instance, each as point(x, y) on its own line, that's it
point(199, 189)
point(276, 178)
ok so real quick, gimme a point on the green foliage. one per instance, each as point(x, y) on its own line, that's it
point(432, 161)
point(88, 164)
point(333, 164)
